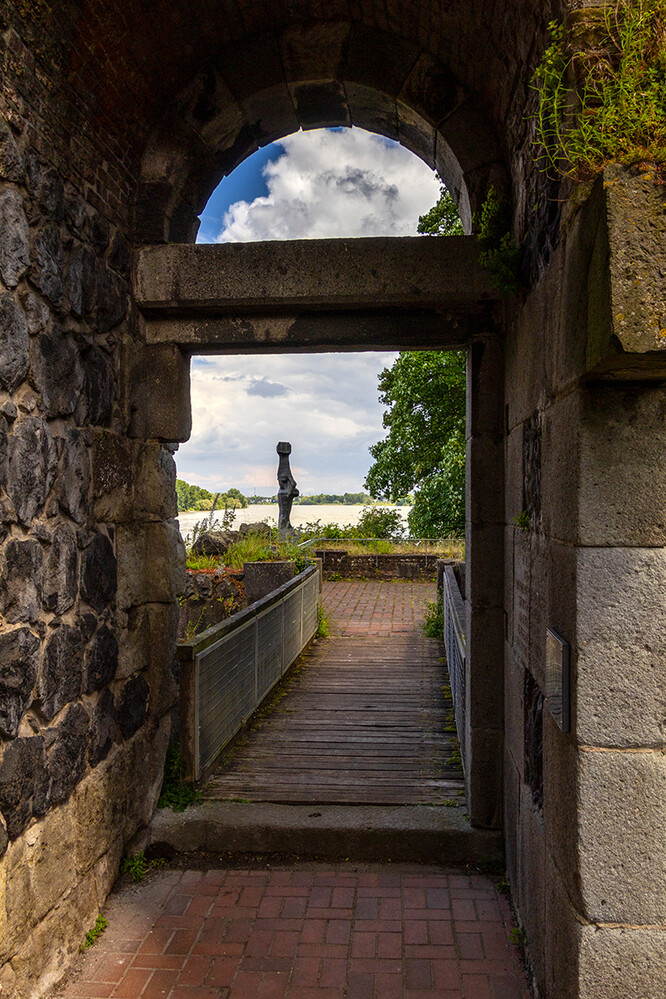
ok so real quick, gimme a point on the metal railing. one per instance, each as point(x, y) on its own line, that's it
point(227, 670)
point(456, 650)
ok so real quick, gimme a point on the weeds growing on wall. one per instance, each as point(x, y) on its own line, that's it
point(606, 101)
point(175, 794)
point(499, 253)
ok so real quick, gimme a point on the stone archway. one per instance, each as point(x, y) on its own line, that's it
point(87, 95)
point(327, 74)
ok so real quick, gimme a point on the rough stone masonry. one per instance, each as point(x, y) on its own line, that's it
point(117, 119)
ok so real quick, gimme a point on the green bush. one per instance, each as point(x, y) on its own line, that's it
point(379, 522)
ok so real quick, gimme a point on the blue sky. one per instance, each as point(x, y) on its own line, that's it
point(246, 183)
point(322, 183)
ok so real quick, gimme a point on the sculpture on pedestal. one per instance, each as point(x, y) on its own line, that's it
point(287, 490)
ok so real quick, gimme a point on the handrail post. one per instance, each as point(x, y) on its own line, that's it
point(189, 714)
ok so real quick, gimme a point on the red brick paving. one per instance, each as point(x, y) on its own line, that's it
point(316, 932)
point(376, 607)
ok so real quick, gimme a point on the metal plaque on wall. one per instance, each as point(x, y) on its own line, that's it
point(557, 679)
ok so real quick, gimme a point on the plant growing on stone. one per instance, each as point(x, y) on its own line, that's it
point(175, 793)
point(606, 102)
point(323, 623)
point(499, 253)
point(433, 620)
point(136, 867)
point(199, 562)
point(93, 934)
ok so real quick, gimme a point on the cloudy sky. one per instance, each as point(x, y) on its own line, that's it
point(334, 182)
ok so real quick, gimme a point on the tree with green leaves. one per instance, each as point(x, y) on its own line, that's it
point(443, 218)
point(424, 392)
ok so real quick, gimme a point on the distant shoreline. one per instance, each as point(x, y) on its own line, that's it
point(269, 502)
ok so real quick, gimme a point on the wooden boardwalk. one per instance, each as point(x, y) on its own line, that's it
point(366, 719)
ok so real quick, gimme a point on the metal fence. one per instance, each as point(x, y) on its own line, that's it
point(227, 671)
point(456, 650)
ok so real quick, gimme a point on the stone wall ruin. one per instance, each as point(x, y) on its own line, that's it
point(115, 124)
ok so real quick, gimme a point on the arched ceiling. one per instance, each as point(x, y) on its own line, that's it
point(125, 67)
point(134, 56)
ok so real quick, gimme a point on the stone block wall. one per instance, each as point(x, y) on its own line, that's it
point(585, 459)
point(90, 558)
point(337, 562)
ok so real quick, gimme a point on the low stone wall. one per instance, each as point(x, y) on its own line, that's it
point(338, 562)
point(210, 597)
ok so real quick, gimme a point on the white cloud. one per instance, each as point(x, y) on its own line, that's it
point(329, 412)
point(336, 183)
point(325, 184)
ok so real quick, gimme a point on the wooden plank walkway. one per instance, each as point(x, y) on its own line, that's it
point(366, 719)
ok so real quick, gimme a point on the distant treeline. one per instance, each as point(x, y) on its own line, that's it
point(346, 499)
point(198, 498)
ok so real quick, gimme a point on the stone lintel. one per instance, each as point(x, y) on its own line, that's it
point(318, 331)
point(302, 275)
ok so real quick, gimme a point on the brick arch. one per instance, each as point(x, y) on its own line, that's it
point(319, 75)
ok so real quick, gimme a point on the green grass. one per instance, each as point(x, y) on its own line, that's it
point(323, 623)
point(602, 90)
point(198, 562)
point(138, 866)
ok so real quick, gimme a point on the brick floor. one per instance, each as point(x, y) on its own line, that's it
point(311, 932)
point(376, 607)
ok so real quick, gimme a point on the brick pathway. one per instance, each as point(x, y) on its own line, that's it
point(315, 932)
point(309, 931)
point(376, 607)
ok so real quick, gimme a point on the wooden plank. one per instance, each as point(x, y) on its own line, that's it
point(365, 722)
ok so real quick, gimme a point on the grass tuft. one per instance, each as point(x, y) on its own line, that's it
point(175, 793)
point(603, 102)
point(323, 623)
point(433, 621)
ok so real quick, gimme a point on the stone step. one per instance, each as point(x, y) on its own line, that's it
point(407, 833)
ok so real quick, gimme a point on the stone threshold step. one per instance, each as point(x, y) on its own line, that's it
point(404, 833)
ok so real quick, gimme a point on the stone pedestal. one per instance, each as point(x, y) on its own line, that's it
point(261, 578)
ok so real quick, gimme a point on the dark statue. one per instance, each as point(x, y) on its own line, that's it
point(287, 490)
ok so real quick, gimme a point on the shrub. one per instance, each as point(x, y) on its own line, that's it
point(379, 522)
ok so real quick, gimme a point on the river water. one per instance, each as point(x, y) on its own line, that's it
point(326, 513)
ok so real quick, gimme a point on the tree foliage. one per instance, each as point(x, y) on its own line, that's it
point(197, 498)
point(442, 219)
point(424, 392)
